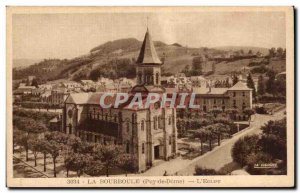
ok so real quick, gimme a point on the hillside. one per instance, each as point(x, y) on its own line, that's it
point(24, 62)
point(264, 51)
point(117, 58)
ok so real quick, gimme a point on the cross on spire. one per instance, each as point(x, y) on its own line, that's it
point(147, 21)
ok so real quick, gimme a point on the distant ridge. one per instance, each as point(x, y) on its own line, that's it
point(264, 51)
point(128, 44)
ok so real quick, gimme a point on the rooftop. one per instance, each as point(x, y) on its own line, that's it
point(148, 53)
point(240, 86)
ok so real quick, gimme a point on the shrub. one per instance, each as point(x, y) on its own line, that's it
point(260, 69)
point(243, 147)
point(261, 110)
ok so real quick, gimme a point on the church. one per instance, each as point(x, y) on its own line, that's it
point(149, 134)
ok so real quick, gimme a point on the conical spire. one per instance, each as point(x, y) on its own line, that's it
point(148, 53)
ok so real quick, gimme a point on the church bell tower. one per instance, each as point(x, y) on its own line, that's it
point(148, 68)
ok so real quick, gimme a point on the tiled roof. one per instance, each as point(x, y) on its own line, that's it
point(218, 91)
point(240, 86)
point(200, 90)
point(78, 98)
point(148, 53)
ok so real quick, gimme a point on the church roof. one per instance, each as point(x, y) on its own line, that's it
point(77, 98)
point(240, 86)
point(148, 53)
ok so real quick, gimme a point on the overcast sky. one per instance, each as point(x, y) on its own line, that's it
point(38, 36)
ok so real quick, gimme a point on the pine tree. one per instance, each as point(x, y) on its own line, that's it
point(270, 84)
point(235, 79)
point(250, 84)
point(261, 85)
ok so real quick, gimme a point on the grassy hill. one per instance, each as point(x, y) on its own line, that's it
point(264, 51)
point(115, 58)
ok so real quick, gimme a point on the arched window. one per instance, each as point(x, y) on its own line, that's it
point(244, 105)
point(143, 148)
point(133, 117)
point(70, 128)
point(142, 125)
point(127, 126)
point(170, 120)
point(159, 122)
point(127, 147)
point(120, 116)
point(157, 78)
point(155, 122)
point(150, 79)
point(140, 77)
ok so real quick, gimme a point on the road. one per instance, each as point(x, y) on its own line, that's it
point(215, 159)
point(221, 156)
point(24, 170)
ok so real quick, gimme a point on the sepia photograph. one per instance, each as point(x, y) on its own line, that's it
point(150, 97)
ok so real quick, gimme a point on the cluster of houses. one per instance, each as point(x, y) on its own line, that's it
point(56, 92)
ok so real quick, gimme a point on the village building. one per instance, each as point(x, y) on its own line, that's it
point(238, 97)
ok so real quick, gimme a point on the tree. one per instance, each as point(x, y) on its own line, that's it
point(274, 135)
point(127, 163)
point(31, 126)
point(202, 135)
point(227, 84)
point(232, 112)
point(250, 84)
point(248, 112)
point(94, 168)
point(34, 147)
point(270, 84)
point(108, 155)
point(44, 148)
point(95, 74)
point(70, 144)
point(279, 52)
point(272, 52)
point(216, 111)
point(261, 85)
point(243, 147)
point(76, 162)
point(86, 148)
point(210, 135)
point(17, 136)
point(23, 141)
point(54, 150)
point(250, 52)
point(235, 79)
point(197, 65)
point(219, 130)
point(284, 54)
point(35, 83)
point(242, 52)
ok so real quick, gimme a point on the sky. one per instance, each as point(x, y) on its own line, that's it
point(38, 36)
